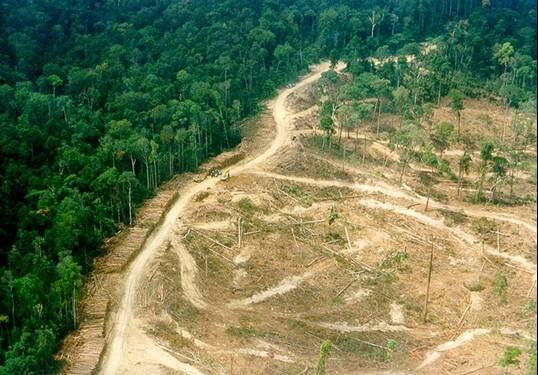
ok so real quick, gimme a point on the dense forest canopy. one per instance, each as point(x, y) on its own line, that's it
point(102, 101)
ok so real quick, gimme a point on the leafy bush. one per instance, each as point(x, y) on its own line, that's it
point(510, 356)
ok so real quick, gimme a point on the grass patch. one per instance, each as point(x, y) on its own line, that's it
point(295, 191)
point(165, 331)
point(382, 279)
point(247, 207)
point(350, 344)
point(485, 228)
point(395, 260)
point(453, 217)
point(182, 312)
point(241, 332)
point(201, 196)
point(353, 151)
point(510, 356)
point(475, 286)
point(500, 284)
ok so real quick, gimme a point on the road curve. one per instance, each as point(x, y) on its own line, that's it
point(117, 342)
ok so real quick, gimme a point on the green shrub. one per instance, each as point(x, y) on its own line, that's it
point(510, 356)
point(501, 286)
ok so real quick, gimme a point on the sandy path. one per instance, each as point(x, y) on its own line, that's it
point(112, 362)
point(395, 192)
point(289, 283)
point(188, 271)
point(127, 345)
point(369, 327)
point(462, 339)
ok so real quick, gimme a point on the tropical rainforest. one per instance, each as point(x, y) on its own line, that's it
point(102, 101)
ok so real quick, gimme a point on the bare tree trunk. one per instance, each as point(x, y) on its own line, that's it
point(133, 162)
point(505, 122)
point(155, 171)
point(425, 311)
point(130, 204)
point(344, 158)
point(378, 117)
point(74, 307)
point(147, 172)
point(404, 164)
point(480, 185)
point(363, 150)
point(459, 123)
point(170, 160)
point(460, 177)
point(512, 177)
point(356, 139)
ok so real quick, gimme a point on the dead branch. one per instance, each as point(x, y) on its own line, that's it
point(518, 268)
point(212, 240)
point(314, 261)
point(289, 196)
point(531, 288)
point(294, 238)
point(252, 232)
point(490, 261)
point(347, 237)
point(330, 242)
point(222, 256)
point(309, 222)
point(339, 198)
point(346, 287)
point(462, 319)
point(187, 234)
point(370, 343)
point(416, 237)
point(239, 220)
point(425, 312)
point(477, 369)
point(350, 260)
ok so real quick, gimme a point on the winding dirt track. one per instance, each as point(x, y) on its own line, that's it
point(117, 343)
point(394, 192)
point(128, 347)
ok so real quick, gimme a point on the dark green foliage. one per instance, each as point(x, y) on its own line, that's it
point(510, 356)
point(442, 136)
point(324, 352)
point(501, 285)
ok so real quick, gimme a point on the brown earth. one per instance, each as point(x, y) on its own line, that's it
point(250, 275)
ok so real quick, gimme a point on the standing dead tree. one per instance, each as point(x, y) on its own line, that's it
point(425, 312)
point(375, 19)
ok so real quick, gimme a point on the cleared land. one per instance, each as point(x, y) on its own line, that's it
point(250, 274)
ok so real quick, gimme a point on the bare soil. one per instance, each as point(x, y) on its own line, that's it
point(250, 275)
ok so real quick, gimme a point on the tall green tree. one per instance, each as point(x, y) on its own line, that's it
point(455, 98)
point(407, 140)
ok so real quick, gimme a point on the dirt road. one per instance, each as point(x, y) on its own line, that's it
point(118, 343)
point(131, 350)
